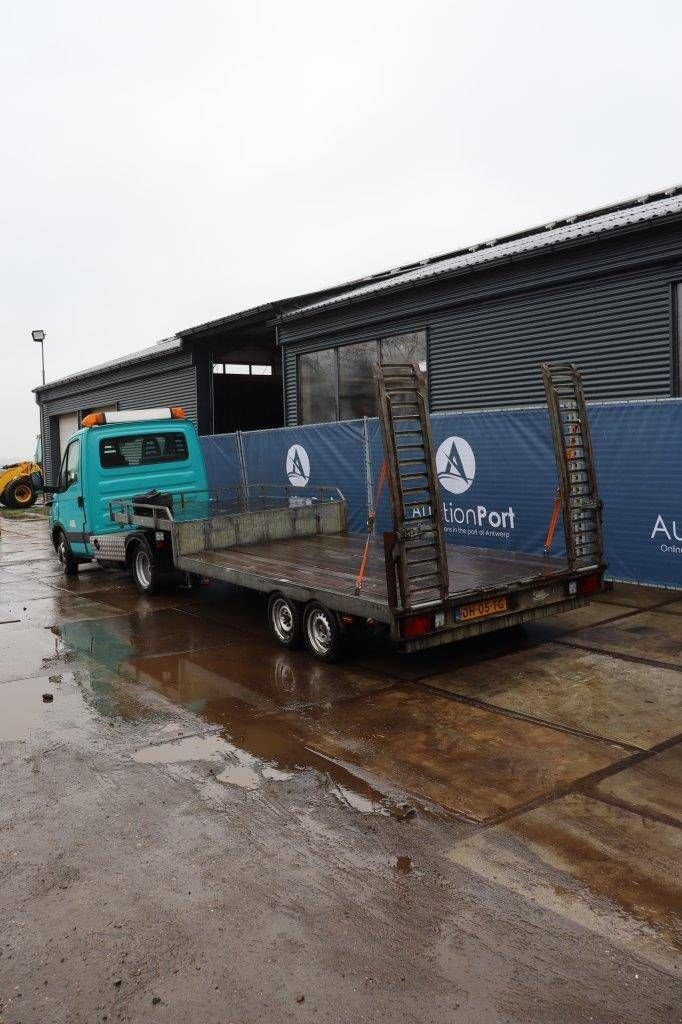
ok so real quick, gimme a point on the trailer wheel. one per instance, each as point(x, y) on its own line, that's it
point(321, 632)
point(20, 493)
point(145, 572)
point(65, 554)
point(284, 620)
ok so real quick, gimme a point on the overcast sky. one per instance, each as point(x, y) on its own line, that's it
point(166, 163)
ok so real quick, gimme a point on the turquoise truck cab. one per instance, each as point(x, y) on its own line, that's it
point(119, 455)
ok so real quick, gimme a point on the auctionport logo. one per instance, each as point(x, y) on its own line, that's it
point(298, 466)
point(455, 465)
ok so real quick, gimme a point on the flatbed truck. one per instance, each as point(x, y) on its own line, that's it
point(133, 492)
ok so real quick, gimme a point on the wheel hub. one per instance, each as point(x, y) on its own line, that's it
point(320, 631)
point(283, 619)
point(143, 568)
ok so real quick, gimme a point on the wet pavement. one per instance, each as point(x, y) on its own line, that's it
point(196, 825)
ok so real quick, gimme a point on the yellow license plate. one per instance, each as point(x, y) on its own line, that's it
point(479, 609)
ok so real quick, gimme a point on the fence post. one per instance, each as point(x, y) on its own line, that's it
point(368, 465)
point(242, 461)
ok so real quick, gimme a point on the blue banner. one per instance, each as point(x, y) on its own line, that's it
point(639, 473)
point(221, 455)
point(497, 478)
point(321, 455)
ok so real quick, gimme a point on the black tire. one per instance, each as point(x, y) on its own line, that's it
point(146, 575)
point(322, 632)
point(65, 555)
point(284, 620)
point(20, 493)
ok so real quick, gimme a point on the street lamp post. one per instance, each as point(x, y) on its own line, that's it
point(39, 336)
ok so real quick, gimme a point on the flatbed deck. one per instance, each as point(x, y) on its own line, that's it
point(328, 564)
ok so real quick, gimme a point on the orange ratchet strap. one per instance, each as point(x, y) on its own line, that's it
point(370, 530)
point(553, 521)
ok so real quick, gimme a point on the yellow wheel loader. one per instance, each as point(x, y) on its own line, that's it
point(20, 482)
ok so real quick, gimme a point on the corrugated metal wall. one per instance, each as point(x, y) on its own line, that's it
point(617, 331)
point(163, 383)
point(489, 332)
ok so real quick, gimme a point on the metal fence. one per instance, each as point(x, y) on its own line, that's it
point(497, 477)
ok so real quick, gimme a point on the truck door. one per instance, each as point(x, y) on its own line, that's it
point(71, 506)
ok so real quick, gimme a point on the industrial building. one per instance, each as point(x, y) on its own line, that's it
point(601, 288)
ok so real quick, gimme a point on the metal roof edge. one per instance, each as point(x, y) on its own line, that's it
point(361, 289)
point(157, 351)
point(267, 308)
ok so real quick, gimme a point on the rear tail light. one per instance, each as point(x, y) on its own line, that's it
point(589, 584)
point(415, 625)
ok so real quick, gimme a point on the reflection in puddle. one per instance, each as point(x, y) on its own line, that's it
point(258, 696)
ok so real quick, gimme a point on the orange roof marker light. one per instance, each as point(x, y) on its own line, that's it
point(96, 419)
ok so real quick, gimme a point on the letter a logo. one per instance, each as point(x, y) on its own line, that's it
point(455, 465)
point(298, 466)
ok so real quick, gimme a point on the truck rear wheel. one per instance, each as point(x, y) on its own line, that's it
point(284, 620)
point(322, 632)
point(20, 493)
point(145, 573)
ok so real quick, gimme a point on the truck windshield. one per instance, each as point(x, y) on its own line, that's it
point(142, 449)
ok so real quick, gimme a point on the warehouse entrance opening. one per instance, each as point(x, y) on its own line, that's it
point(246, 384)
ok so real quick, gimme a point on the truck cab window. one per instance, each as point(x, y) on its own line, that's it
point(142, 449)
point(69, 471)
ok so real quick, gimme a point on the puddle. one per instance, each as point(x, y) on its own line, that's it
point(24, 711)
point(255, 693)
point(242, 771)
point(187, 748)
point(239, 775)
point(278, 761)
point(402, 864)
point(276, 775)
point(359, 802)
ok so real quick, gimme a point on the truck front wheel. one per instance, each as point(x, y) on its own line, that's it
point(145, 573)
point(65, 555)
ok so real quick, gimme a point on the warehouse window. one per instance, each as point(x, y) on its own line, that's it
point(338, 383)
point(244, 369)
point(405, 348)
point(356, 380)
point(317, 386)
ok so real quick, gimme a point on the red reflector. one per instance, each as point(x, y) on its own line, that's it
point(416, 625)
point(589, 584)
